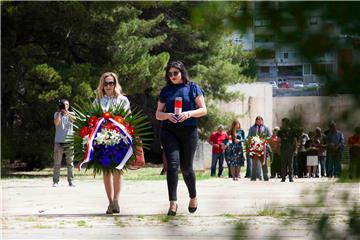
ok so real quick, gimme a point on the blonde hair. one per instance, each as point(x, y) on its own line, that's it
point(100, 92)
point(233, 128)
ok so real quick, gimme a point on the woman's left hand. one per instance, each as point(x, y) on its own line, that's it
point(184, 116)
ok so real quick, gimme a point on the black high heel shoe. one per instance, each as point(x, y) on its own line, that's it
point(110, 209)
point(171, 212)
point(116, 207)
point(192, 209)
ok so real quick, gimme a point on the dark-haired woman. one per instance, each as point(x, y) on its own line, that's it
point(234, 153)
point(179, 133)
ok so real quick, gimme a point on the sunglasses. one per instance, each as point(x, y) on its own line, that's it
point(173, 74)
point(109, 84)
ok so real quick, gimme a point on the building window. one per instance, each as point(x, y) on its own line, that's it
point(264, 69)
point(261, 22)
point(323, 68)
point(262, 53)
point(314, 20)
point(286, 55)
point(237, 40)
point(307, 69)
point(290, 71)
point(263, 38)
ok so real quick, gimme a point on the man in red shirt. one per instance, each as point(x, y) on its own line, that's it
point(217, 141)
point(354, 144)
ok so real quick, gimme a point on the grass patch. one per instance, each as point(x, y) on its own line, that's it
point(344, 177)
point(82, 223)
point(41, 226)
point(228, 215)
point(271, 211)
point(27, 219)
point(165, 219)
point(118, 222)
point(151, 172)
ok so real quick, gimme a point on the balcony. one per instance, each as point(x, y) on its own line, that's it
point(265, 62)
point(288, 62)
point(266, 45)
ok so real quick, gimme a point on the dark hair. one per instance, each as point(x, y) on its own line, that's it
point(61, 104)
point(332, 123)
point(357, 130)
point(180, 66)
point(259, 118)
point(285, 120)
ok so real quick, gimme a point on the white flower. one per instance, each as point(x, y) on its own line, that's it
point(109, 137)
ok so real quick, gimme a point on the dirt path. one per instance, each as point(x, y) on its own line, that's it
point(33, 209)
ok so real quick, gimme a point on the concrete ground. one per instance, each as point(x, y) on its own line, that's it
point(33, 209)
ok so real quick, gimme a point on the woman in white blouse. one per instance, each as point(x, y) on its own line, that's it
point(109, 93)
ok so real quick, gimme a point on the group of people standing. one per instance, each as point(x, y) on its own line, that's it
point(230, 146)
point(292, 152)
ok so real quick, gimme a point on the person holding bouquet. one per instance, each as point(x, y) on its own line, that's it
point(234, 153)
point(109, 94)
point(259, 129)
point(180, 103)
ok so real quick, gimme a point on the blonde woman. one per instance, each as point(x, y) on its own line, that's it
point(109, 93)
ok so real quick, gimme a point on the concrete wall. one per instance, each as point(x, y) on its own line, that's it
point(318, 111)
point(257, 100)
point(202, 159)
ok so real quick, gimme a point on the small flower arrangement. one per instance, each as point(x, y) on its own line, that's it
point(109, 140)
point(256, 147)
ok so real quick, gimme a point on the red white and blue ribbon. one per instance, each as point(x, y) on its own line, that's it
point(90, 145)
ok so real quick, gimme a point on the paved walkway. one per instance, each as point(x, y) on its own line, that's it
point(33, 209)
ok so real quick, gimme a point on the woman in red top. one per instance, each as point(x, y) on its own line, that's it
point(274, 142)
point(354, 144)
point(216, 140)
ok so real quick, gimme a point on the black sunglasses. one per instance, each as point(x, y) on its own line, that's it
point(109, 84)
point(175, 73)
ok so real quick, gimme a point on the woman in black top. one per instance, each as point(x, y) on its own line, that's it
point(181, 102)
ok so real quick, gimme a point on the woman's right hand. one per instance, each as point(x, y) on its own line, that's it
point(171, 117)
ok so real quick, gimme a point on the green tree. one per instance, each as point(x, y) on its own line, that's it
point(54, 50)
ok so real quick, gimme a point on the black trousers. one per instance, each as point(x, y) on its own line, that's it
point(275, 167)
point(180, 144)
point(287, 161)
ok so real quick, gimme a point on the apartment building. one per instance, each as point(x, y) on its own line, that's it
point(281, 61)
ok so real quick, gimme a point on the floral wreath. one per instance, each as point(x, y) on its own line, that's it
point(108, 140)
point(257, 147)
